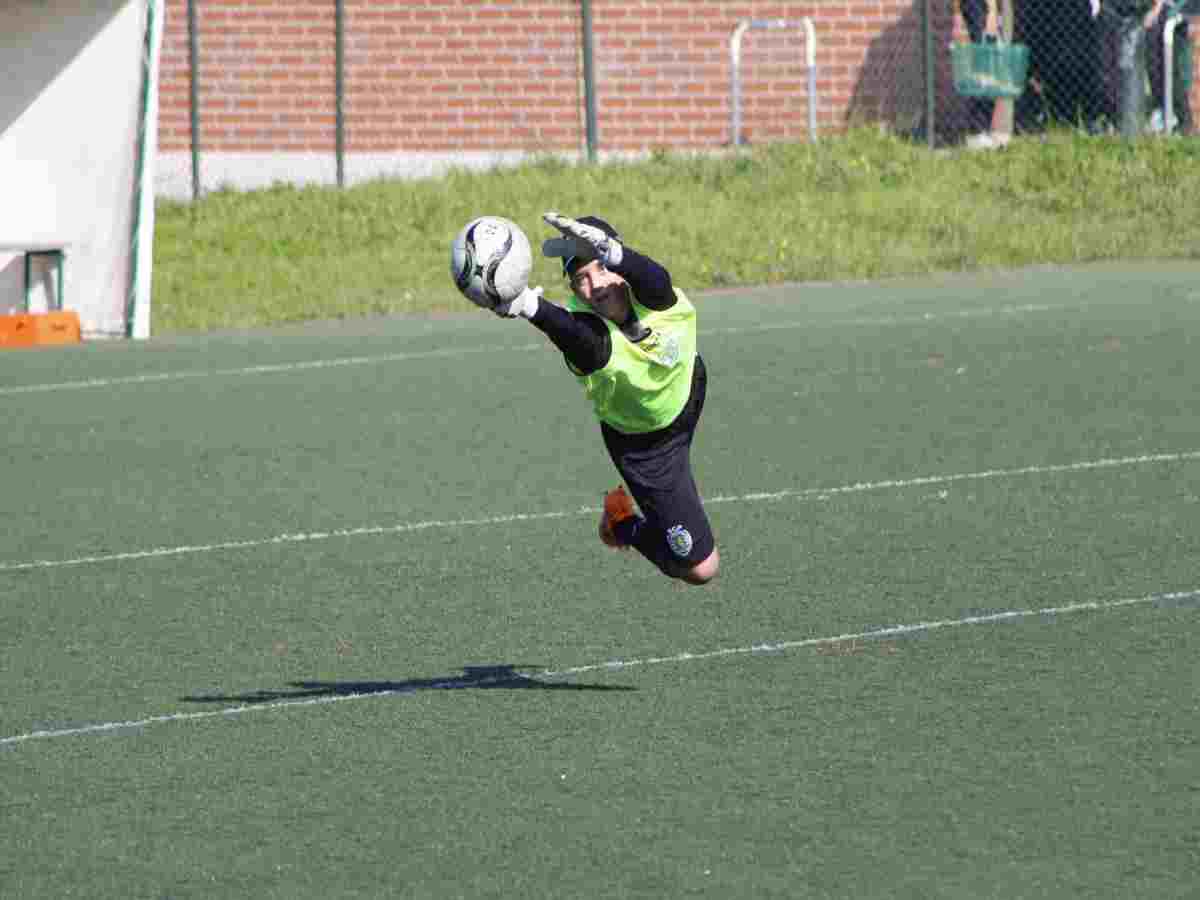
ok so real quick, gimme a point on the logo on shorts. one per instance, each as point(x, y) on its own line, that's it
point(680, 540)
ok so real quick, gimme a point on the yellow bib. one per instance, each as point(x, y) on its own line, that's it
point(646, 383)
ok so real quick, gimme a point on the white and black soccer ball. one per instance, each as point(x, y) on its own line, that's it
point(490, 261)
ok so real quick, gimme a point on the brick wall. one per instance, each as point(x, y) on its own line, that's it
point(460, 76)
point(422, 75)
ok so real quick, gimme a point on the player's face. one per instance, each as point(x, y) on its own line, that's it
point(605, 292)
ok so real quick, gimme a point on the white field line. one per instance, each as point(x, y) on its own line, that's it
point(797, 493)
point(865, 321)
point(365, 531)
point(860, 487)
point(1010, 615)
point(342, 362)
point(270, 369)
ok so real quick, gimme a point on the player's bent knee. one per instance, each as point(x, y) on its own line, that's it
point(704, 572)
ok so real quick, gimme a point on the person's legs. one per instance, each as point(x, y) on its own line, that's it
point(1087, 70)
point(1182, 78)
point(979, 115)
point(979, 109)
point(705, 570)
point(673, 532)
point(1069, 72)
point(1028, 29)
point(974, 13)
point(1154, 63)
point(1109, 39)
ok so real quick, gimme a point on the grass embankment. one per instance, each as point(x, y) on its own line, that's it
point(864, 205)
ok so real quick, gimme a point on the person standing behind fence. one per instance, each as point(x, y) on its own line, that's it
point(1064, 77)
point(1123, 25)
point(980, 18)
point(1180, 63)
point(1072, 74)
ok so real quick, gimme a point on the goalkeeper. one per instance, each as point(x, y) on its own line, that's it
point(629, 336)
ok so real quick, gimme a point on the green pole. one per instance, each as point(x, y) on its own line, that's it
point(930, 82)
point(194, 96)
point(340, 87)
point(589, 80)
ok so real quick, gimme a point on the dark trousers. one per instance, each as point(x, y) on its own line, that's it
point(1064, 64)
point(657, 467)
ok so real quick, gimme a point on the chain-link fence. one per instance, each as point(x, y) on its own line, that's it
point(946, 71)
point(1107, 66)
point(343, 90)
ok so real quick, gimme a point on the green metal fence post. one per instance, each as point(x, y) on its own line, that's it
point(930, 80)
point(194, 96)
point(589, 80)
point(339, 42)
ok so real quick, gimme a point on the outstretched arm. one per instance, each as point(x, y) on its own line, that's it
point(649, 281)
point(581, 337)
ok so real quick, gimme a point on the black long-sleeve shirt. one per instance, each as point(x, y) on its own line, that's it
point(583, 337)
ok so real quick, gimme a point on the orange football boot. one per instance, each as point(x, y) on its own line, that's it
point(618, 506)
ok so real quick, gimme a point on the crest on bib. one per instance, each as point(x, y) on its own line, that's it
point(679, 539)
point(662, 347)
point(668, 354)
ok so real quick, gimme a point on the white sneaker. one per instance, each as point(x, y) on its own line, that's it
point(983, 141)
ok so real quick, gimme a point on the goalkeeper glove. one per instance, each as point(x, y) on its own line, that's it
point(590, 241)
point(525, 304)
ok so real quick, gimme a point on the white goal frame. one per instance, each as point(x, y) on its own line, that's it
point(1169, 71)
point(78, 143)
point(735, 62)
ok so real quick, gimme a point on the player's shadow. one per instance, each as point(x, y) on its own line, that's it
point(508, 677)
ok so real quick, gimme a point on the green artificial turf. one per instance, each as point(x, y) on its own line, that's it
point(320, 612)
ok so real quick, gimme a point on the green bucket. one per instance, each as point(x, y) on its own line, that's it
point(989, 70)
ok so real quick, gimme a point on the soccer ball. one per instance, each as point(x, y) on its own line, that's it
point(490, 261)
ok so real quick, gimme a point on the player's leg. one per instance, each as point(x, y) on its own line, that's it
point(706, 569)
point(698, 567)
point(675, 533)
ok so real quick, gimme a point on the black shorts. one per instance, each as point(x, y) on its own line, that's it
point(658, 470)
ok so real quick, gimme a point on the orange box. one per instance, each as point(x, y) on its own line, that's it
point(39, 329)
